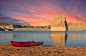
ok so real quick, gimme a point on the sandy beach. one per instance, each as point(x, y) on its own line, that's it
point(9, 50)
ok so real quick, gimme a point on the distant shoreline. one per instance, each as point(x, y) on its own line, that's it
point(39, 28)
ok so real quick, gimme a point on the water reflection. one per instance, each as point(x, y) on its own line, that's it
point(63, 39)
point(25, 36)
point(50, 38)
point(59, 38)
point(74, 37)
point(22, 35)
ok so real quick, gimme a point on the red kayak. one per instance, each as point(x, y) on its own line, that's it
point(28, 43)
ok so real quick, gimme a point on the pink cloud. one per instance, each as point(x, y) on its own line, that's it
point(44, 13)
point(5, 19)
point(33, 21)
point(1, 16)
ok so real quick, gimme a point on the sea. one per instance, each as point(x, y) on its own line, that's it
point(50, 38)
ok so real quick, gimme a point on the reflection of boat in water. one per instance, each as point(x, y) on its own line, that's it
point(59, 38)
point(28, 43)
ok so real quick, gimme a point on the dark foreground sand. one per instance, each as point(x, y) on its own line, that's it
point(9, 50)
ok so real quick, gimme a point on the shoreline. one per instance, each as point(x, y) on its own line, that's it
point(9, 50)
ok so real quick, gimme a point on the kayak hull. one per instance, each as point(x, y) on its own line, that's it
point(28, 43)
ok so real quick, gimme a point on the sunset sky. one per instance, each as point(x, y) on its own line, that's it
point(41, 12)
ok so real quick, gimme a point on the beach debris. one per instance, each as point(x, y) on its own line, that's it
point(5, 52)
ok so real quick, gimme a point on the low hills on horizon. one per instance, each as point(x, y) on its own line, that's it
point(59, 24)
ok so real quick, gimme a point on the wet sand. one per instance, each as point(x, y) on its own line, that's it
point(9, 50)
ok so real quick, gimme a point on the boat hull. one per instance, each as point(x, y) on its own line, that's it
point(28, 43)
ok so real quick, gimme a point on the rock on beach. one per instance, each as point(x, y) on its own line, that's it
point(9, 50)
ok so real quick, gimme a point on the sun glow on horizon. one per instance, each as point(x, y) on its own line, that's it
point(41, 12)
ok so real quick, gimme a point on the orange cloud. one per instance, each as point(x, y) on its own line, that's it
point(33, 21)
point(43, 12)
point(1, 16)
point(4, 19)
point(47, 15)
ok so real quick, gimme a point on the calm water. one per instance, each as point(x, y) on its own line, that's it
point(68, 38)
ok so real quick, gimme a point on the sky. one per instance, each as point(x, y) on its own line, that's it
point(41, 12)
